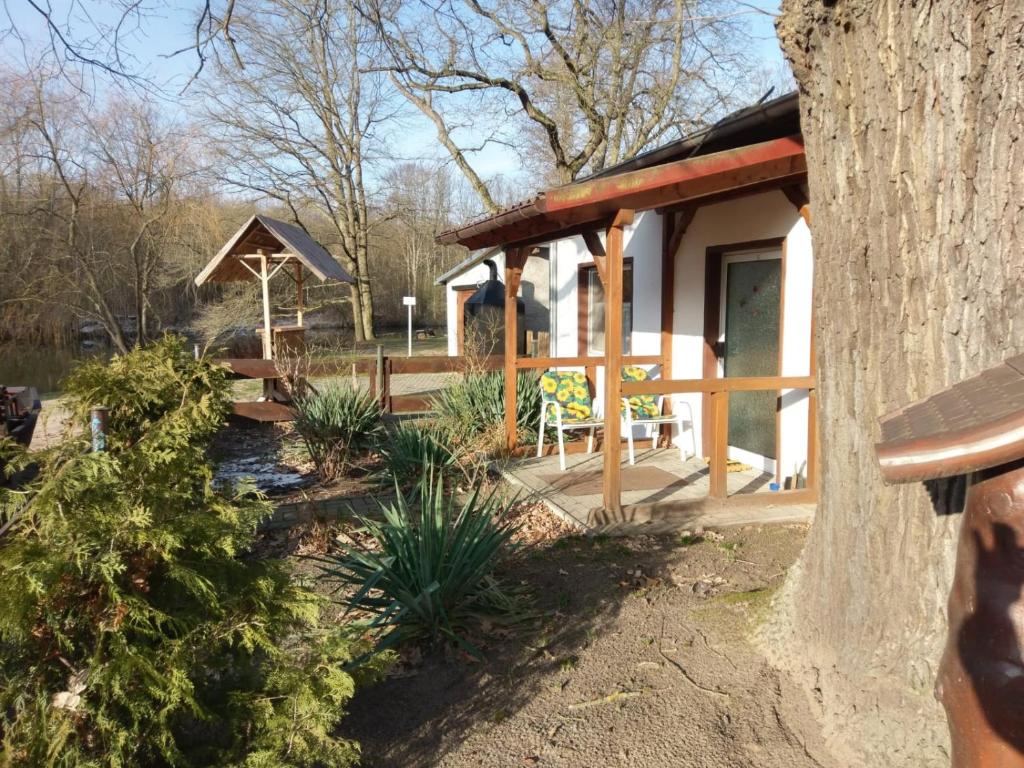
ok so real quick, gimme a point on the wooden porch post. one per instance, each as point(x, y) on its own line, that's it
point(674, 226)
point(514, 258)
point(300, 300)
point(613, 362)
point(265, 284)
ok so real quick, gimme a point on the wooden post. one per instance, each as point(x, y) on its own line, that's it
point(268, 341)
point(300, 300)
point(378, 375)
point(514, 258)
point(719, 427)
point(613, 362)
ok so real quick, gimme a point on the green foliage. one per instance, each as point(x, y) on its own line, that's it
point(414, 452)
point(428, 572)
point(473, 410)
point(336, 422)
point(136, 629)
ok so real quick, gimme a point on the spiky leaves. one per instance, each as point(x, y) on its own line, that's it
point(335, 422)
point(429, 573)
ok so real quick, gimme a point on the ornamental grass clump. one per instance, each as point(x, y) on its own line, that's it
point(426, 573)
point(335, 423)
point(137, 628)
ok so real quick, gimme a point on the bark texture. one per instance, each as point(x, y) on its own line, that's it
point(911, 113)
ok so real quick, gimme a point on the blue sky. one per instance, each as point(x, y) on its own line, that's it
point(168, 26)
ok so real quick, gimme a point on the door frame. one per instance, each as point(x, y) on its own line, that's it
point(462, 293)
point(714, 257)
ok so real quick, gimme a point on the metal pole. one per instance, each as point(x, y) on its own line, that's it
point(98, 418)
point(410, 331)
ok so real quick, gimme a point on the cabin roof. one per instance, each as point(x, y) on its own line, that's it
point(279, 240)
point(476, 257)
point(588, 205)
point(732, 142)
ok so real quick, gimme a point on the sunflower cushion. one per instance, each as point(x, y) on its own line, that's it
point(642, 406)
point(570, 391)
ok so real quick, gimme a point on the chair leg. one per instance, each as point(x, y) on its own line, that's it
point(561, 449)
point(682, 451)
point(590, 440)
point(540, 432)
point(629, 440)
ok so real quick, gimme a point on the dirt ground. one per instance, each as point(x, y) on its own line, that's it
point(641, 657)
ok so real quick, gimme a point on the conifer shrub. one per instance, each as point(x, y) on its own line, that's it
point(426, 573)
point(137, 628)
point(336, 422)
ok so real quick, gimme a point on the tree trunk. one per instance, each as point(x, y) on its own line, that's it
point(357, 311)
point(911, 113)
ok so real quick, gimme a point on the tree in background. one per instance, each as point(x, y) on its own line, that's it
point(589, 84)
point(912, 115)
point(101, 205)
point(300, 119)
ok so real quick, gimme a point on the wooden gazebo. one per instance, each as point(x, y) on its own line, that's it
point(262, 248)
point(608, 203)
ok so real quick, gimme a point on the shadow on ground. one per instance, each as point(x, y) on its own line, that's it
point(640, 658)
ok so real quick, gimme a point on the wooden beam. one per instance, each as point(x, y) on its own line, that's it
point(673, 228)
point(719, 427)
point(514, 258)
point(613, 364)
point(593, 242)
point(268, 341)
point(723, 384)
point(795, 194)
point(300, 298)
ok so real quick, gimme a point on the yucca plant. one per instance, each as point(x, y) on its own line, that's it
point(476, 404)
point(334, 423)
point(427, 571)
point(414, 452)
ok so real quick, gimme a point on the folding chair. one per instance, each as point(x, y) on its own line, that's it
point(647, 409)
point(569, 396)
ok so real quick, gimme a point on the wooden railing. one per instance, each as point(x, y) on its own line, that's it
point(717, 423)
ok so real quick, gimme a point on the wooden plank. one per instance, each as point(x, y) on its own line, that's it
point(612, 486)
point(577, 362)
point(719, 429)
point(442, 364)
point(418, 403)
point(733, 384)
point(266, 411)
point(707, 512)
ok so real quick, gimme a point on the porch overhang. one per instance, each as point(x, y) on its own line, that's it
point(558, 212)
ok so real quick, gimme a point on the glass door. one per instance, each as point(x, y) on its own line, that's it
point(749, 346)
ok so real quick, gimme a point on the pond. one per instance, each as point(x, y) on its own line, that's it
point(41, 367)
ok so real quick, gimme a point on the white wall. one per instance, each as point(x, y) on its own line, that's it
point(757, 217)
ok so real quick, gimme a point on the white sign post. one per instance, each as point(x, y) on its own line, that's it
point(409, 302)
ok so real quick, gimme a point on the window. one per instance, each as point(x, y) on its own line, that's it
point(591, 297)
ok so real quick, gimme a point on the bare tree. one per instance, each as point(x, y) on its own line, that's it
point(97, 207)
point(297, 123)
point(593, 82)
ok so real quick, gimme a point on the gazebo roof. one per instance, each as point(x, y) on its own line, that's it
point(279, 240)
